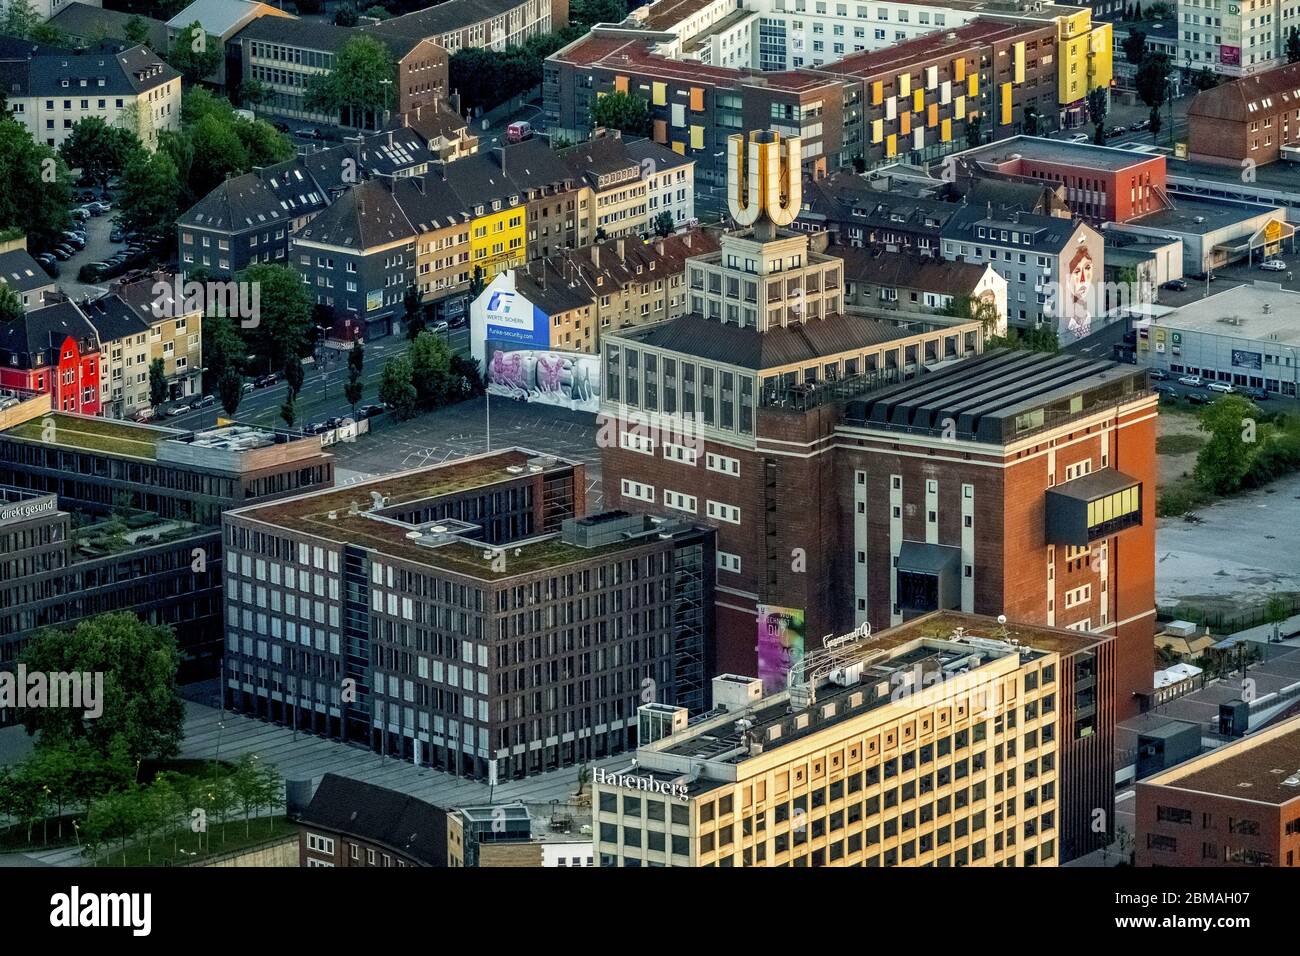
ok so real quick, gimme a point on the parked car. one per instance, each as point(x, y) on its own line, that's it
point(282, 126)
point(1223, 388)
point(146, 414)
point(1273, 265)
point(1204, 277)
point(440, 328)
point(246, 388)
point(1191, 381)
point(49, 264)
point(315, 428)
point(1257, 394)
point(266, 381)
point(1176, 285)
point(73, 240)
point(180, 409)
point(308, 134)
point(117, 235)
point(1165, 391)
point(207, 401)
point(1079, 138)
point(1197, 398)
point(370, 411)
point(80, 214)
point(1116, 131)
point(99, 206)
point(1159, 374)
point(62, 253)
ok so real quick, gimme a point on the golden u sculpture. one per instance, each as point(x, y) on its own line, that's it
point(764, 177)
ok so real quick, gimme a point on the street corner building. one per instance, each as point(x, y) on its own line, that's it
point(466, 617)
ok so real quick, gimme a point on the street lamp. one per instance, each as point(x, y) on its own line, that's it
point(324, 361)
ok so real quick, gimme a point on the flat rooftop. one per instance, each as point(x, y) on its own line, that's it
point(1280, 175)
point(350, 516)
point(91, 433)
point(1264, 768)
point(1260, 310)
point(1041, 149)
point(947, 640)
point(1200, 216)
point(1000, 395)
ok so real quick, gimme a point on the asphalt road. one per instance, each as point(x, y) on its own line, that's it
point(322, 389)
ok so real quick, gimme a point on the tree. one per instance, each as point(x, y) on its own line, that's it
point(622, 111)
point(1205, 79)
point(1293, 45)
point(157, 382)
point(983, 310)
point(431, 368)
point(345, 16)
point(1041, 339)
point(223, 347)
point(1236, 436)
point(1152, 84)
point(253, 92)
point(49, 34)
point(1135, 45)
point(283, 325)
point(36, 193)
point(363, 82)
point(396, 389)
point(974, 130)
point(264, 145)
point(195, 54)
point(136, 32)
point(1156, 123)
point(142, 711)
point(294, 375)
point(354, 388)
point(413, 313)
point(1097, 113)
point(230, 386)
point(584, 13)
point(1032, 119)
point(376, 13)
point(477, 283)
point(289, 412)
point(150, 199)
point(218, 153)
point(20, 18)
point(11, 304)
point(663, 224)
point(100, 151)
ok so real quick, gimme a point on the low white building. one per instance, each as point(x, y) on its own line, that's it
point(1248, 336)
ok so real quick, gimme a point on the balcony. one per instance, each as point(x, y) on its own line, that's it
point(1092, 507)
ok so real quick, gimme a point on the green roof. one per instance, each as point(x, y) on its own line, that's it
point(93, 434)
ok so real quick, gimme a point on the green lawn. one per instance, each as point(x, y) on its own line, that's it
point(1178, 444)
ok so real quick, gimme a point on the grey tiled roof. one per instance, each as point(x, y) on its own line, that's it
point(380, 816)
point(275, 194)
point(20, 272)
point(366, 215)
point(693, 334)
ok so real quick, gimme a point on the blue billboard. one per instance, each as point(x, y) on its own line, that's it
point(511, 320)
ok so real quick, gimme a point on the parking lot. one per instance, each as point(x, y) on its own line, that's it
point(461, 430)
point(97, 249)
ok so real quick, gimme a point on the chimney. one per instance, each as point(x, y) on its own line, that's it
point(618, 243)
point(686, 239)
point(659, 246)
point(595, 254)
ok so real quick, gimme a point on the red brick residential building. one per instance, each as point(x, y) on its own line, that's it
point(52, 350)
point(1238, 805)
point(1248, 119)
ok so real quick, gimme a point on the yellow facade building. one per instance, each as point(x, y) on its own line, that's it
point(936, 743)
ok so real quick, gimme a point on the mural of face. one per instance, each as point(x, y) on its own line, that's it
point(1079, 314)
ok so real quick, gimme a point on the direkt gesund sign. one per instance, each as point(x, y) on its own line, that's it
point(32, 508)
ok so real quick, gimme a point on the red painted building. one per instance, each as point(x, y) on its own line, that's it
point(54, 351)
point(1102, 183)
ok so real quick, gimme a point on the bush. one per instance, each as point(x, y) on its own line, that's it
point(1180, 497)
